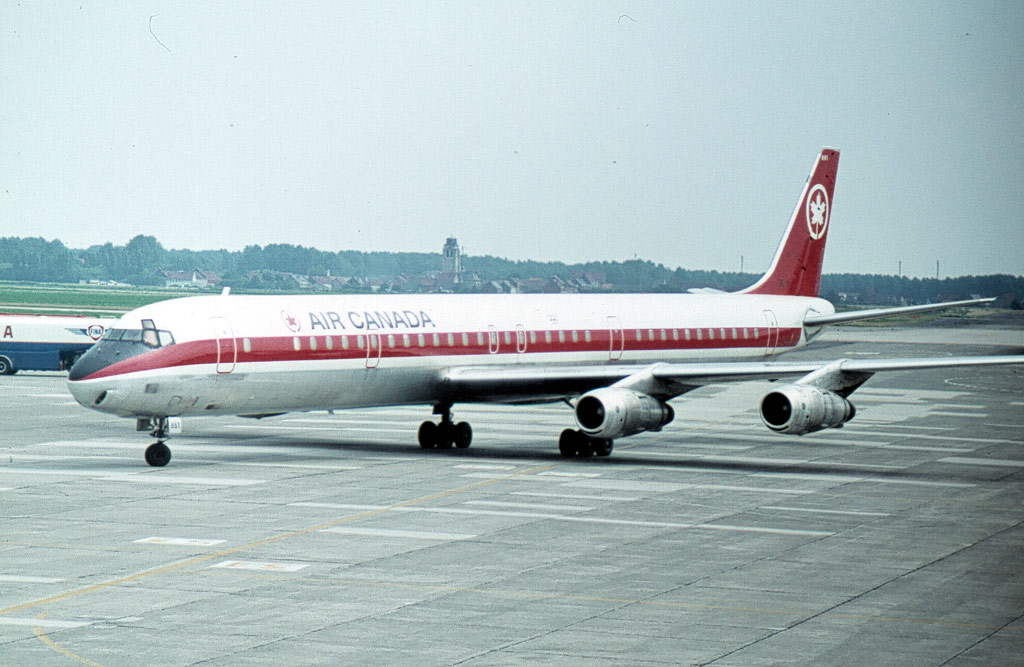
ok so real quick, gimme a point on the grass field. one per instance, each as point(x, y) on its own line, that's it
point(49, 298)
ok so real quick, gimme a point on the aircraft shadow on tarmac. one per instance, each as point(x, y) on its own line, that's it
point(301, 448)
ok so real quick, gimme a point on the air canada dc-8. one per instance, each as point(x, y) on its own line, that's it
point(616, 359)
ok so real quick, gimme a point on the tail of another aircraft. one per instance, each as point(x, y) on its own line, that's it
point(796, 268)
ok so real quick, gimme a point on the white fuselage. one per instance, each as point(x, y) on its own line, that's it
point(237, 354)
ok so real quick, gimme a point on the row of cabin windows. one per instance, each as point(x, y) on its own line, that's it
point(698, 334)
point(491, 338)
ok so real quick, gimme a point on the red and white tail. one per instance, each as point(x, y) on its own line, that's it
point(796, 268)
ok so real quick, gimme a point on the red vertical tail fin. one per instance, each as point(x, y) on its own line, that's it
point(796, 268)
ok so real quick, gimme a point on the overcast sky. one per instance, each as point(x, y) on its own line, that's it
point(679, 132)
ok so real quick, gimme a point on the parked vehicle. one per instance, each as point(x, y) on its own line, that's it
point(46, 342)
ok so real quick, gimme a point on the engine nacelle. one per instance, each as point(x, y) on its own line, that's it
point(799, 408)
point(612, 412)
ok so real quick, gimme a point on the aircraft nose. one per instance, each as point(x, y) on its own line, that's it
point(98, 357)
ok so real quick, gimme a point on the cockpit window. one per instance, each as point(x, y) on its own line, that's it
point(151, 337)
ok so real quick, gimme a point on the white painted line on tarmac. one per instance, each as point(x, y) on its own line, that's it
point(158, 478)
point(957, 406)
point(944, 413)
point(406, 534)
point(573, 496)
point(341, 506)
point(577, 519)
point(180, 541)
point(22, 579)
point(300, 466)
point(482, 466)
point(937, 438)
point(529, 506)
point(814, 510)
point(43, 622)
point(1006, 463)
point(261, 566)
point(567, 475)
point(769, 531)
point(627, 485)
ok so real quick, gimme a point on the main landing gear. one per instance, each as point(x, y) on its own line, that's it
point(579, 445)
point(158, 454)
point(445, 434)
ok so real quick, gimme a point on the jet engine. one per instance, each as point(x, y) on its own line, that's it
point(799, 408)
point(612, 412)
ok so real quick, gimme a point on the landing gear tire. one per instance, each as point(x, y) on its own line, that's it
point(158, 455)
point(446, 434)
point(462, 435)
point(575, 444)
point(602, 446)
point(428, 435)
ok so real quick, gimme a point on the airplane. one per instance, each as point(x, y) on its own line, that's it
point(616, 359)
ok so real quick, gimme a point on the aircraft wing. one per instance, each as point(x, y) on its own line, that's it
point(855, 315)
point(666, 380)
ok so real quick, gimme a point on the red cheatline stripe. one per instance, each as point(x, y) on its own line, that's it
point(408, 345)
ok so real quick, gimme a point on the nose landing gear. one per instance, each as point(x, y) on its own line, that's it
point(158, 454)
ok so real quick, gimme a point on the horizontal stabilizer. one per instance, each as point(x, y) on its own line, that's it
point(853, 316)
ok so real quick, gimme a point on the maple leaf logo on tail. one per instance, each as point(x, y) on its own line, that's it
point(817, 212)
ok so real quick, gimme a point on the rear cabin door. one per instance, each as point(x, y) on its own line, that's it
point(773, 333)
point(618, 340)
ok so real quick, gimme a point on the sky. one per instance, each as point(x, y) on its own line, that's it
point(676, 132)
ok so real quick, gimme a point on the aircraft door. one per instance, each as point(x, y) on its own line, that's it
point(773, 333)
point(520, 338)
point(492, 339)
point(227, 346)
point(618, 340)
point(374, 345)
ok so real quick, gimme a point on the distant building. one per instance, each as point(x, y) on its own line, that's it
point(194, 278)
point(451, 259)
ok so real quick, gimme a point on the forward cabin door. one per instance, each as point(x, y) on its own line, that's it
point(773, 333)
point(227, 346)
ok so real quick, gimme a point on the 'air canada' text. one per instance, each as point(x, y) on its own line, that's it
point(376, 319)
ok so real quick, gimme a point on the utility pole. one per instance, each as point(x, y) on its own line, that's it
point(936, 269)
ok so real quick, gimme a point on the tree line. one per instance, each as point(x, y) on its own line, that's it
point(143, 261)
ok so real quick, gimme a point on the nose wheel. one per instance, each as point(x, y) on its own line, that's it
point(158, 454)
